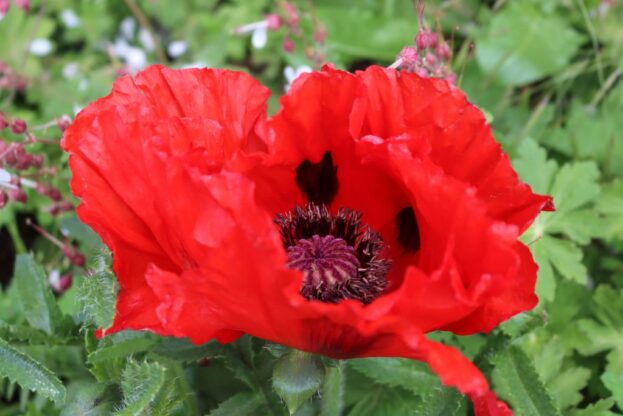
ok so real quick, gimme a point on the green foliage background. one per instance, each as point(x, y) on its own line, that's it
point(547, 74)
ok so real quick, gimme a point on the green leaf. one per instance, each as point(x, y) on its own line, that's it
point(181, 349)
point(443, 402)
point(40, 307)
point(614, 382)
point(601, 408)
point(574, 188)
point(409, 374)
point(516, 381)
point(89, 241)
point(381, 400)
point(605, 332)
point(140, 385)
point(85, 398)
point(297, 376)
point(97, 295)
point(566, 387)
point(333, 390)
point(521, 44)
point(29, 374)
point(123, 345)
point(245, 403)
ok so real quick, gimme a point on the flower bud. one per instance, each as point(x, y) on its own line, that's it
point(63, 122)
point(5, 5)
point(74, 255)
point(18, 195)
point(18, 126)
point(273, 21)
point(37, 161)
point(443, 50)
point(288, 45)
point(23, 4)
point(4, 198)
point(320, 35)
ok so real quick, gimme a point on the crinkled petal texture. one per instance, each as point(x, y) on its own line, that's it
point(182, 174)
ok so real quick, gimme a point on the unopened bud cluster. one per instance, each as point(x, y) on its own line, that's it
point(429, 56)
point(288, 19)
point(18, 166)
point(9, 79)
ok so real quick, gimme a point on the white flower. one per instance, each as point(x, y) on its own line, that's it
point(70, 18)
point(135, 59)
point(146, 40)
point(40, 47)
point(177, 48)
point(291, 74)
point(127, 27)
point(70, 70)
point(198, 64)
point(5, 177)
point(259, 37)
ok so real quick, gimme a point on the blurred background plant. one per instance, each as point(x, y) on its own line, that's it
point(546, 74)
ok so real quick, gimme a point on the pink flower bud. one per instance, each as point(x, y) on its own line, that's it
point(431, 59)
point(23, 4)
point(320, 35)
point(273, 21)
point(4, 198)
point(443, 51)
point(63, 122)
point(74, 255)
point(18, 195)
point(37, 161)
point(65, 282)
point(18, 126)
point(292, 15)
point(24, 161)
point(421, 40)
point(5, 5)
point(54, 194)
point(288, 45)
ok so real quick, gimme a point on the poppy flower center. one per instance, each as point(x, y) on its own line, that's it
point(339, 256)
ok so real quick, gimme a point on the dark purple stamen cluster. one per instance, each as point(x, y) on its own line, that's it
point(338, 255)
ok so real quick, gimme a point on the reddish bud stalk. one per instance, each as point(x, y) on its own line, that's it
point(72, 253)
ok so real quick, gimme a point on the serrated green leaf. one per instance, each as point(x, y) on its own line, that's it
point(443, 402)
point(97, 295)
point(245, 403)
point(37, 300)
point(601, 408)
point(566, 387)
point(297, 376)
point(382, 400)
point(123, 345)
point(332, 396)
point(516, 380)
point(29, 374)
point(140, 384)
point(613, 380)
point(575, 185)
point(534, 167)
point(522, 44)
point(565, 256)
point(409, 374)
point(85, 398)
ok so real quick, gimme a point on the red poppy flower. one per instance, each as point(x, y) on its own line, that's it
point(371, 209)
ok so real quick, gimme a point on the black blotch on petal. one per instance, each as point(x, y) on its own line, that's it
point(408, 231)
point(318, 181)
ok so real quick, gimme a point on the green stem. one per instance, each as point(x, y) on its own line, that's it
point(18, 243)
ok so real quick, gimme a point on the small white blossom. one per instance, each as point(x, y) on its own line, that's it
point(259, 37)
point(177, 48)
point(146, 40)
point(70, 18)
point(40, 47)
point(291, 74)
